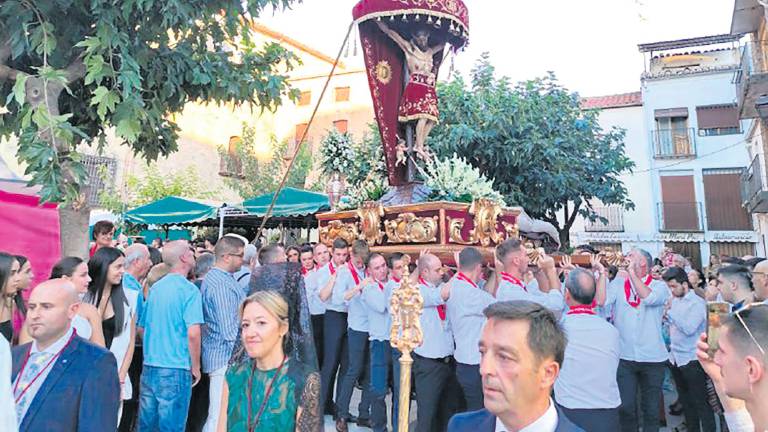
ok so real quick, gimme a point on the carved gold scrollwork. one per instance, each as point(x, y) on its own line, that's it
point(610, 257)
point(338, 229)
point(454, 231)
point(370, 214)
point(486, 214)
point(512, 230)
point(409, 228)
point(406, 305)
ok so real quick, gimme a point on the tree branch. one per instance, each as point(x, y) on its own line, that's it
point(75, 70)
point(6, 72)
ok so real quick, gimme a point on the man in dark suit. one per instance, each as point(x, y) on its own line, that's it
point(521, 347)
point(62, 382)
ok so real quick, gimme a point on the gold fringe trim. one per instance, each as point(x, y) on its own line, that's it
point(428, 12)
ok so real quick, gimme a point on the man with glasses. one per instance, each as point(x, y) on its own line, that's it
point(760, 281)
point(739, 368)
point(222, 296)
point(735, 285)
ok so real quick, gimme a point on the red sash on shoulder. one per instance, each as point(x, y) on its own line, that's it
point(463, 277)
point(440, 308)
point(581, 310)
point(513, 280)
point(632, 298)
point(354, 272)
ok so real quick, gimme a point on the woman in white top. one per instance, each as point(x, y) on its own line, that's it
point(116, 308)
point(7, 407)
point(87, 322)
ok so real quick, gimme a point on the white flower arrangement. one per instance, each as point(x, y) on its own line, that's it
point(454, 179)
point(337, 153)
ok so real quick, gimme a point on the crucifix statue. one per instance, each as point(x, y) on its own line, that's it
point(419, 101)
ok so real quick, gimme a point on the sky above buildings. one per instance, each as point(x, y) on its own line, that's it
point(591, 45)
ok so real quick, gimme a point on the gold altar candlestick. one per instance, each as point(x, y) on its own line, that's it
point(405, 335)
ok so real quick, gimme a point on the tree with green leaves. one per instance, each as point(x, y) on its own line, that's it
point(73, 71)
point(250, 176)
point(154, 185)
point(545, 153)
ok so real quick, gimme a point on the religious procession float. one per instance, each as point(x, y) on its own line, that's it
point(404, 43)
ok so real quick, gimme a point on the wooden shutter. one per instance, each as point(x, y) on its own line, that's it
point(731, 249)
point(690, 250)
point(341, 125)
point(722, 192)
point(300, 129)
point(717, 116)
point(679, 209)
point(342, 94)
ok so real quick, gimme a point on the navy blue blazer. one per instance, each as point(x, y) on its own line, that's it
point(81, 392)
point(484, 421)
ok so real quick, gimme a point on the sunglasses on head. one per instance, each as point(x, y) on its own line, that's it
point(744, 324)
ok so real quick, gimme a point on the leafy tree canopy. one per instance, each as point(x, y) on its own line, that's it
point(545, 153)
point(70, 70)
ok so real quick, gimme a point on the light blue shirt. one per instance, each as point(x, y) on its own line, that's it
point(438, 340)
point(243, 278)
point(222, 296)
point(465, 314)
point(640, 327)
point(377, 303)
point(344, 282)
point(357, 312)
point(587, 379)
point(553, 300)
point(687, 317)
point(174, 304)
point(131, 283)
point(316, 306)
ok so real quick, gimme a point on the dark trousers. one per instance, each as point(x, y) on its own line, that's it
point(648, 377)
point(356, 370)
point(198, 404)
point(334, 354)
point(396, 386)
point(472, 385)
point(594, 420)
point(381, 363)
point(691, 382)
point(131, 407)
point(438, 394)
point(317, 335)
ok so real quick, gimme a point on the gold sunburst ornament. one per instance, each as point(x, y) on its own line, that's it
point(384, 72)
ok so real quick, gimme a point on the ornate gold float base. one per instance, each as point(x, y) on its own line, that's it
point(442, 227)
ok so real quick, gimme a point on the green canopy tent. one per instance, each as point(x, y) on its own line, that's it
point(173, 210)
point(291, 203)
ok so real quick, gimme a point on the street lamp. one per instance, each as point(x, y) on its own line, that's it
point(761, 105)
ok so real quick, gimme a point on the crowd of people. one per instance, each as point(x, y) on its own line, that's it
point(225, 335)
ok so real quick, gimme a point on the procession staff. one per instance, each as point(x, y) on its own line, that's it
point(334, 326)
point(465, 314)
point(347, 291)
point(638, 304)
point(586, 388)
point(433, 364)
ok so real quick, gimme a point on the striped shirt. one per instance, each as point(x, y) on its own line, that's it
point(222, 296)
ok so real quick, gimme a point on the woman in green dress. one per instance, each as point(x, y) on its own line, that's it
point(271, 390)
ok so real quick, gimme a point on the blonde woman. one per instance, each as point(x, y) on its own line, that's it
point(270, 390)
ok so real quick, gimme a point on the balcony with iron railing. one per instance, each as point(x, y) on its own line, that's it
point(674, 143)
point(680, 216)
point(754, 187)
point(609, 219)
point(751, 78)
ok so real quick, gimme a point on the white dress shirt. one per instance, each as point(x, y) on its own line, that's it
point(357, 312)
point(545, 423)
point(640, 327)
point(34, 387)
point(7, 406)
point(687, 317)
point(587, 379)
point(438, 339)
point(465, 313)
point(316, 306)
point(511, 288)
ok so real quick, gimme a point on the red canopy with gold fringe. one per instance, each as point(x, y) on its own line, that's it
point(447, 21)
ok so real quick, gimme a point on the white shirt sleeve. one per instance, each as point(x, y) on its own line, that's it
point(739, 421)
point(7, 408)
